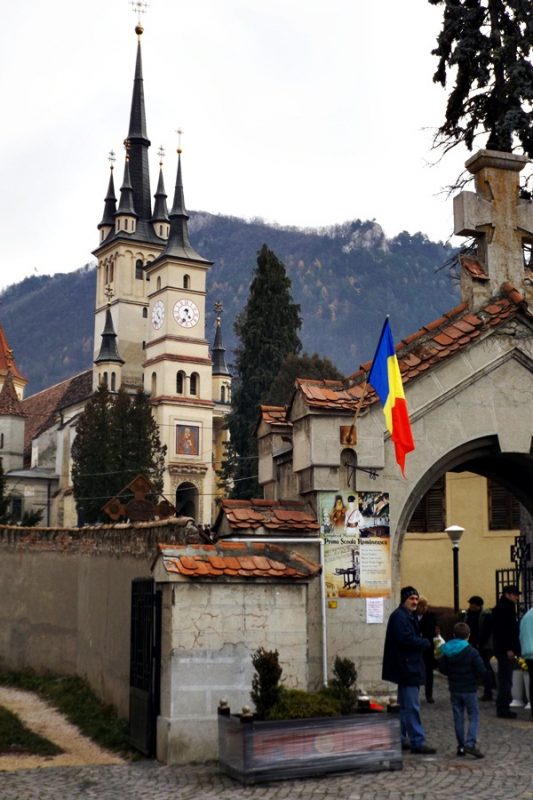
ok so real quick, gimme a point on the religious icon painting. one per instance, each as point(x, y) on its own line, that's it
point(187, 440)
point(348, 435)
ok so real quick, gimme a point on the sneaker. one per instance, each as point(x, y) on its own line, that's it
point(460, 751)
point(423, 750)
point(507, 714)
point(473, 751)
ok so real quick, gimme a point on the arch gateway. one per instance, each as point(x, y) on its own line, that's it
point(468, 379)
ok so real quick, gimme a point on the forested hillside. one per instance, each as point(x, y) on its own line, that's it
point(346, 278)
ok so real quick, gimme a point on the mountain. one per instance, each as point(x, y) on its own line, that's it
point(345, 277)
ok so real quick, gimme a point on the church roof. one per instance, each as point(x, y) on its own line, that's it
point(41, 409)
point(236, 559)
point(10, 405)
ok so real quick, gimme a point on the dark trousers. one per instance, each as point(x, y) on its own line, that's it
point(529, 662)
point(489, 679)
point(505, 683)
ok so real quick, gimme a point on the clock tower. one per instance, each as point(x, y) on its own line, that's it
point(150, 317)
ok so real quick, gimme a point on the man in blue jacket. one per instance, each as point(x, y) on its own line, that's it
point(403, 664)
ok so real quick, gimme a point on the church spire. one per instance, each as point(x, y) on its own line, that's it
point(160, 206)
point(126, 205)
point(179, 244)
point(137, 140)
point(10, 405)
point(219, 351)
point(108, 349)
point(110, 203)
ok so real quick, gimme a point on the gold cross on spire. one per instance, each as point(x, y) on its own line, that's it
point(161, 154)
point(112, 158)
point(218, 307)
point(138, 7)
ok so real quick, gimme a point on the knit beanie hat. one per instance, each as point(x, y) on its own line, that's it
point(406, 592)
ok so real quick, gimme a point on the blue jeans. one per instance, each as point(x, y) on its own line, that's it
point(505, 683)
point(461, 702)
point(410, 723)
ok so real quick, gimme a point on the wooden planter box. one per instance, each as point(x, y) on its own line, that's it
point(254, 751)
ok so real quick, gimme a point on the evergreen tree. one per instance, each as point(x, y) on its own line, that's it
point(486, 45)
point(117, 438)
point(304, 366)
point(267, 330)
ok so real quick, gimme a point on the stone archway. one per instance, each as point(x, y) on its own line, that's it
point(187, 500)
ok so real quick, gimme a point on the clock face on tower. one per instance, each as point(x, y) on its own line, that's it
point(186, 313)
point(158, 314)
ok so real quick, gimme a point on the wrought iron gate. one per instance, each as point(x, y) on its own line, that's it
point(145, 664)
point(523, 578)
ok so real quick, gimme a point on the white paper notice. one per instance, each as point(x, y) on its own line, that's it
point(374, 610)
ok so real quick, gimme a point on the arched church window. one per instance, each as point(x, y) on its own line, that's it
point(430, 514)
point(222, 394)
point(125, 224)
point(187, 500)
point(106, 274)
point(154, 384)
point(113, 382)
point(111, 272)
point(180, 382)
point(104, 381)
point(145, 313)
point(195, 383)
point(186, 281)
point(158, 283)
point(139, 272)
point(1, 441)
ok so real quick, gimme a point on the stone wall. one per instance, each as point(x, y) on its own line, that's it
point(66, 599)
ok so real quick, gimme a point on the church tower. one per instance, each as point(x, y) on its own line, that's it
point(150, 319)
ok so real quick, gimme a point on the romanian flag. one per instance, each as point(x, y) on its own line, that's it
point(385, 378)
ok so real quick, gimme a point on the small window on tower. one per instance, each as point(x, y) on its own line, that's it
point(145, 313)
point(113, 382)
point(186, 281)
point(1, 441)
point(180, 380)
point(154, 384)
point(139, 272)
point(158, 284)
point(195, 382)
point(125, 224)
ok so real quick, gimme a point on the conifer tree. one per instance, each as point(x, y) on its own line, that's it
point(486, 45)
point(267, 330)
point(304, 366)
point(117, 438)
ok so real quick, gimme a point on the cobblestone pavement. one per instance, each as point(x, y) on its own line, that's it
point(506, 773)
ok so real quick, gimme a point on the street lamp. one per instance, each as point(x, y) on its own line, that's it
point(455, 532)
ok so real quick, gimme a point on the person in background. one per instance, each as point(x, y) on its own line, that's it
point(479, 620)
point(463, 666)
point(526, 643)
point(506, 639)
point(427, 622)
point(403, 664)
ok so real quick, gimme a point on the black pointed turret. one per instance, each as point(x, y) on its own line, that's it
point(126, 205)
point(108, 348)
point(160, 206)
point(219, 352)
point(139, 143)
point(110, 205)
point(179, 244)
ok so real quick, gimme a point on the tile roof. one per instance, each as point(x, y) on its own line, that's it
point(274, 415)
point(474, 267)
point(422, 350)
point(236, 559)
point(281, 516)
point(41, 409)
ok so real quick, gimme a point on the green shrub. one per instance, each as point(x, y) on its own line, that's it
point(342, 685)
point(298, 704)
point(265, 684)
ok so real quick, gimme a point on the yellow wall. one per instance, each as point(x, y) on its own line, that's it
point(426, 559)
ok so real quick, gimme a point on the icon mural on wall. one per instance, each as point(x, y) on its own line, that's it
point(187, 440)
point(356, 532)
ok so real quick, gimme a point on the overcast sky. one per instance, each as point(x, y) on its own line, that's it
point(297, 111)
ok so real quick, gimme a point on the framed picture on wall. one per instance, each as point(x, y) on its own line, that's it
point(187, 440)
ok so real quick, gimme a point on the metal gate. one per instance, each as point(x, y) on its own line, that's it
point(523, 578)
point(145, 664)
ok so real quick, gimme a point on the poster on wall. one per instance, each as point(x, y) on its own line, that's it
point(187, 440)
point(357, 551)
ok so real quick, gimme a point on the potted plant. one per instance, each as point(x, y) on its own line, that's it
point(294, 734)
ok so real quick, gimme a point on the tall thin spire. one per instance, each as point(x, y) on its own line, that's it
point(160, 206)
point(108, 348)
point(179, 244)
point(126, 205)
point(219, 351)
point(138, 142)
point(110, 203)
